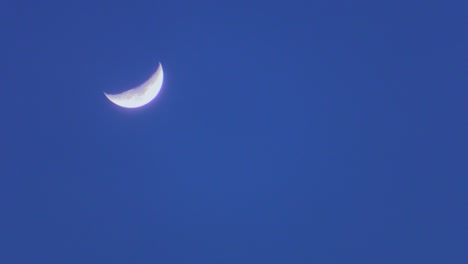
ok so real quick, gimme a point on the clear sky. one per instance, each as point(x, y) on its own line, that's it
point(285, 132)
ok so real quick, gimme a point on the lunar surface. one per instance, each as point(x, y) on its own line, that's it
point(140, 95)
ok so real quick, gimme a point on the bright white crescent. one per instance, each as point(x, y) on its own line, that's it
point(140, 95)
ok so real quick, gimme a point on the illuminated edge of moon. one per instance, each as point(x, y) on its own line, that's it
point(140, 95)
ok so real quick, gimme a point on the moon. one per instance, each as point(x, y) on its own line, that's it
point(140, 95)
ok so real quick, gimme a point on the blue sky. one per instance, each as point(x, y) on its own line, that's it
point(285, 132)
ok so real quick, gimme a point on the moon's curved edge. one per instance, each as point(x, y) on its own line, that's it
point(158, 72)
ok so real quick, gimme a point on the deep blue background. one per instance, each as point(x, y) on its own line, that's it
point(285, 132)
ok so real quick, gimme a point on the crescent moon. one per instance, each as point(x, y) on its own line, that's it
point(140, 95)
